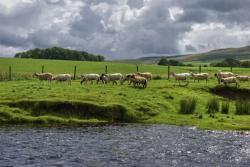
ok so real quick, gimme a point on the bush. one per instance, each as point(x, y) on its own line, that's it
point(157, 77)
point(212, 106)
point(242, 107)
point(225, 107)
point(190, 65)
point(165, 62)
point(188, 105)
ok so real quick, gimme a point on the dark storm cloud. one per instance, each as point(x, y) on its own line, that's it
point(190, 48)
point(10, 39)
point(124, 28)
point(135, 3)
point(222, 6)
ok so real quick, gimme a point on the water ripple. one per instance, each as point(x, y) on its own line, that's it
point(131, 145)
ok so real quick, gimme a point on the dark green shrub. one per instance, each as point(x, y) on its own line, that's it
point(188, 105)
point(212, 106)
point(157, 77)
point(242, 107)
point(225, 107)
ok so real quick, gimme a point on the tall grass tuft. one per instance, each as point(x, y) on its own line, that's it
point(213, 106)
point(225, 107)
point(188, 105)
point(242, 107)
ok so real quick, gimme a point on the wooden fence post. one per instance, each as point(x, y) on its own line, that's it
point(168, 72)
point(199, 68)
point(75, 73)
point(106, 69)
point(137, 68)
point(10, 73)
point(42, 68)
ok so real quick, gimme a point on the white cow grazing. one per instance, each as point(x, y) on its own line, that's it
point(243, 78)
point(63, 77)
point(43, 76)
point(230, 80)
point(180, 76)
point(146, 75)
point(90, 77)
point(138, 80)
point(200, 76)
point(114, 77)
point(128, 77)
point(219, 75)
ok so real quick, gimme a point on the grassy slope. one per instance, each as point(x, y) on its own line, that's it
point(242, 53)
point(159, 103)
point(29, 66)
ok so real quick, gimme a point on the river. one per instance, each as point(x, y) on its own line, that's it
point(127, 145)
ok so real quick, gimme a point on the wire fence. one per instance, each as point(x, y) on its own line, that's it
point(12, 74)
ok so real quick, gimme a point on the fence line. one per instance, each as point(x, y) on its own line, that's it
point(75, 73)
point(42, 68)
point(10, 74)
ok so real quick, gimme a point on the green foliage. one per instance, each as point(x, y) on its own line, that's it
point(242, 107)
point(59, 54)
point(170, 62)
point(188, 105)
point(229, 62)
point(213, 106)
point(225, 107)
point(157, 77)
point(245, 64)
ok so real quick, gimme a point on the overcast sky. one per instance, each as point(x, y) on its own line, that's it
point(121, 29)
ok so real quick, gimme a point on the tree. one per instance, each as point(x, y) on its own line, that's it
point(171, 62)
point(163, 62)
point(60, 54)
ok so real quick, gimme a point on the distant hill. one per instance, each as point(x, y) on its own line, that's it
point(59, 54)
point(146, 60)
point(242, 53)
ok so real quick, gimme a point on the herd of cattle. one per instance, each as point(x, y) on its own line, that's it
point(137, 79)
point(141, 79)
point(225, 77)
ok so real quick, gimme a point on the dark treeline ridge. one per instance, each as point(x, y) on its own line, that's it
point(171, 62)
point(59, 54)
point(229, 62)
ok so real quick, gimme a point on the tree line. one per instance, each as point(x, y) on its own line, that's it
point(59, 54)
point(171, 62)
point(229, 62)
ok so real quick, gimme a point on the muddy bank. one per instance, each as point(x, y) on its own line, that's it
point(231, 93)
point(44, 111)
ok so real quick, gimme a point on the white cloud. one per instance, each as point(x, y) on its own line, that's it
point(124, 28)
point(205, 37)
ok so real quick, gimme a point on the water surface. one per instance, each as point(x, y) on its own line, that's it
point(130, 145)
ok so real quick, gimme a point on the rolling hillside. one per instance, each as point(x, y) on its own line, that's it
point(242, 53)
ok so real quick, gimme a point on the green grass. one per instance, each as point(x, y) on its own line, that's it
point(187, 105)
point(27, 101)
point(24, 68)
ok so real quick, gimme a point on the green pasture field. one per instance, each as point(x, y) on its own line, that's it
point(29, 66)
point(28, 101)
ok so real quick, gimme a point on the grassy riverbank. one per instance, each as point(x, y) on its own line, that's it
point(24, 100)
point(31, 102)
